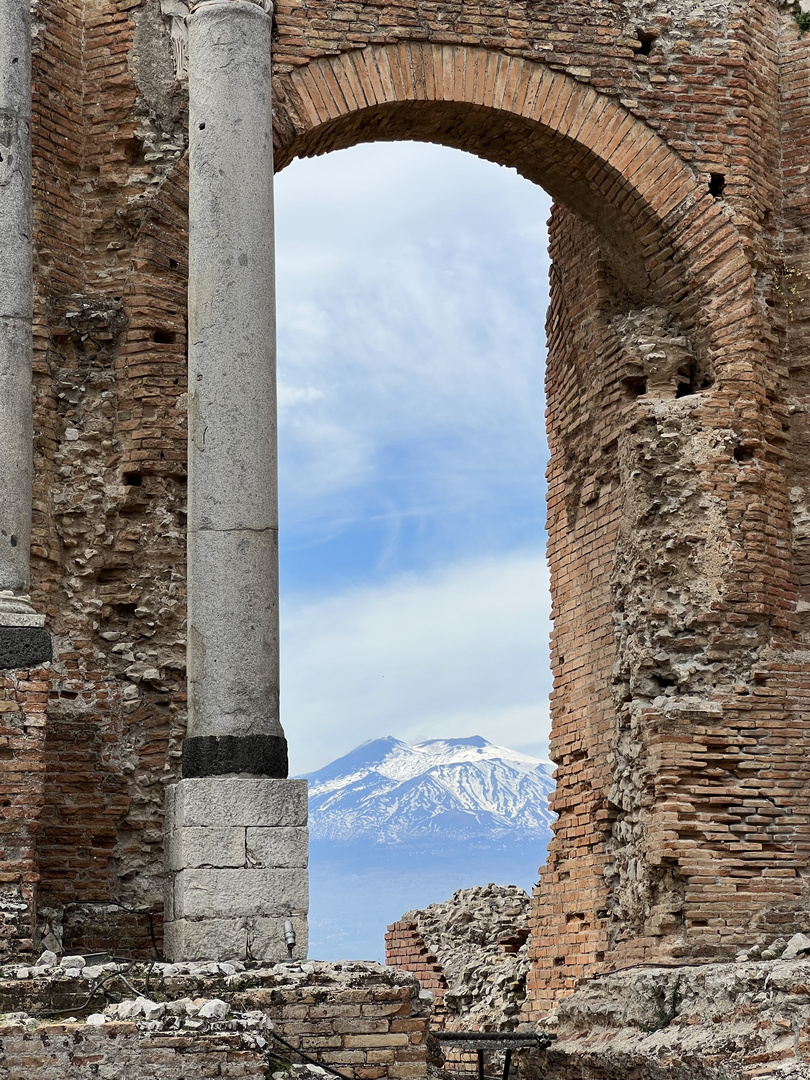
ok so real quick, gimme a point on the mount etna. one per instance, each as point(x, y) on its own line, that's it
point(395, 827)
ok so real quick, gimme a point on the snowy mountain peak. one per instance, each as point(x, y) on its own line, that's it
point(390, 792)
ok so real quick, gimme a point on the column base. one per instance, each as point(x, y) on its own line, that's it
point(236, 852)
point(222, 755)
point(24, 647)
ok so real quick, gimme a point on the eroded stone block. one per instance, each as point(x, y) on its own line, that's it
point(242, 893)
point(265, 938)
point(232, 801)
point(207, 939)
point(284, 847)
point(194, 847)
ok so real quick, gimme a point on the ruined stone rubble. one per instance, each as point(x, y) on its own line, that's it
point(480, 938)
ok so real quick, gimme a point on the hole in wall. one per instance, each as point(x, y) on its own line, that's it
point(110, 574)
point(646, 40)
point(202, 127)
point(635, 386)
point(717, 184)
point(133, 479)
point(132, 150)
point(164, 337)
point(665, 683)
point(172, 264)
point(14, 541)
point(124, 611)
point(743, 453)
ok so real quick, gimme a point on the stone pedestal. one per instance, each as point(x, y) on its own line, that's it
point(236, 869)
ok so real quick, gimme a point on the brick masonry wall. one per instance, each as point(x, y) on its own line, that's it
point(678, 523)
point(405, 948)
point(358, 1018)
point(23, 700)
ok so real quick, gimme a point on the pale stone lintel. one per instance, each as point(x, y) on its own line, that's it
point(265, 5)
point(17, 611)
point(11, 619)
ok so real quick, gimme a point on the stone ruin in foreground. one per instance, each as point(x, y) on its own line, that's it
point(138, 584)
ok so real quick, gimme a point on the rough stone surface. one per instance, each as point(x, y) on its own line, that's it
point(237, 801)
point(471, 952)
point(243, 755)
point(193, 847)
point(24, 647)
point(227, 893)
point(214, 1020)
point(236, 859)
point(709, 1022)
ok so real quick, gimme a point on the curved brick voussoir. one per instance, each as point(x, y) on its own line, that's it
point(581, 145)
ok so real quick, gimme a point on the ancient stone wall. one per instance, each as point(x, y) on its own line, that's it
point(471, 953)
point(713, 1022)
point(182, 1022)
point(674, 143)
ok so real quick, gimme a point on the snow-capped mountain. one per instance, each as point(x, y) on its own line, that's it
point(453, 789)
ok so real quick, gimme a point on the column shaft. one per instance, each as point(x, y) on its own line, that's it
point(23, 642)
point(233, 669)
point(16, 298)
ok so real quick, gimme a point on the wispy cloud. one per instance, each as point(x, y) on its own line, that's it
point(460, 651)
point(412, 286)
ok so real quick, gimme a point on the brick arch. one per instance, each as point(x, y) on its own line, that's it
point(666, 236)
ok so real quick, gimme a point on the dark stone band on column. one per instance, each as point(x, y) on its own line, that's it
point(24, 647)
point(224, 755)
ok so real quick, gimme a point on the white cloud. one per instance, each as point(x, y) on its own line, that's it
point(412, 285)
point(460, 651)
point(297, 395)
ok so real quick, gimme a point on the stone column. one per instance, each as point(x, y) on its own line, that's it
point(236, 838)
point(23, 642)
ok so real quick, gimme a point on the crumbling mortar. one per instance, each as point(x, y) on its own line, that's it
point(671, 652)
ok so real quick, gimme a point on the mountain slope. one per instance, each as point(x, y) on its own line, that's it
point(388, 792)
point(396, 827)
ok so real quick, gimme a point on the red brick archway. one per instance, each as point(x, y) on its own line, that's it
point(667, 235)
point(679, 562)
point(637, 237)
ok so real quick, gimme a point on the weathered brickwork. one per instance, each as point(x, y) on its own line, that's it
point(675, 144)
point(368, 1023)
point(405, 948)
point(23, 702)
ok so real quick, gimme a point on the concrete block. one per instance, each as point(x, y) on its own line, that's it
point(207, 939)
point(235, 801)
point(215, 894)
point(285, 847)
point(234, 939)
point(194, 847)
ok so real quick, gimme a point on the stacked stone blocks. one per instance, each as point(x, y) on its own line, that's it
point(236, 858)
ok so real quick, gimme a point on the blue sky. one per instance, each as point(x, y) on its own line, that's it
point(412, 284)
